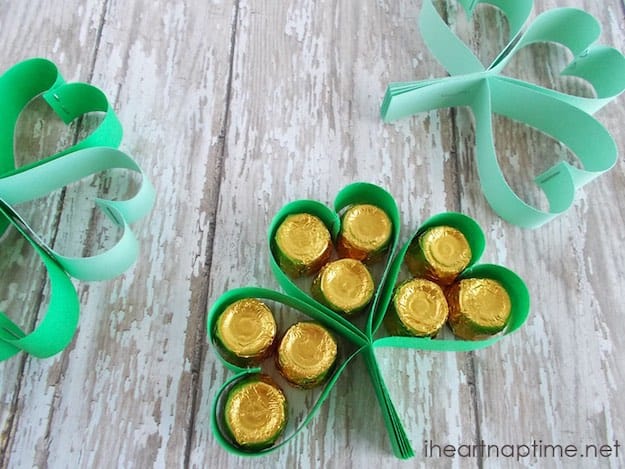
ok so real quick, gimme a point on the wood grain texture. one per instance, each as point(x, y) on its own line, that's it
point(308, 112)
point(559, 379)
point(234, 108)
point(132, 366)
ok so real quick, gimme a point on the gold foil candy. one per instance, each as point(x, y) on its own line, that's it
point(439, 254)
point(419, 308)
point(344, 285)
point(478, 308)
point(365, 233)
point(306, 354)
point(303, 244)
point(255, 413)
point(246, 330)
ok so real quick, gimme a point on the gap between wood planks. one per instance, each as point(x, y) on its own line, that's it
point(201, 347)
point(471, 363)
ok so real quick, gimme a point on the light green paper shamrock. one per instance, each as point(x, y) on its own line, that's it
point(564, 117)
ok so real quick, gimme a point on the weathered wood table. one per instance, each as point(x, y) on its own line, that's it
point(235, 107)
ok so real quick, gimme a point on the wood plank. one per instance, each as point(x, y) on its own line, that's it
point(235, 108)
point(126, 393)
point(307, 86)
point(558, 379)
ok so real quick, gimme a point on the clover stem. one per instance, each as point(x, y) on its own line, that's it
point(397, 435)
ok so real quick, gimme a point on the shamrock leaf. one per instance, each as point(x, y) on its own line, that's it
point(95, 153)
point(293, 306)
point(364, 339)
point(486, 92)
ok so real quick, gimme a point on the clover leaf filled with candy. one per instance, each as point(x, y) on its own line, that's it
point(433, 280)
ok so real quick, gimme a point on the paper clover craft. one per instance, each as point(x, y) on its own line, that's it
point(95, 153)
point(485, 91)
point(364, 339)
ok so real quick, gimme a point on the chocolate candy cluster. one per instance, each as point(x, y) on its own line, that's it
point(255, 411)
point(345, 285)
point(474, 308)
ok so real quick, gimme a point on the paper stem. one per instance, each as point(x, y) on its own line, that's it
point(396, 433)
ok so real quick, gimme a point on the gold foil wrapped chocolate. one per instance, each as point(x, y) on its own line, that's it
point(478, 308)
point(439, 254)
point(303, 244)
point(306, 354)
point(246, 331)
point(418, 308)
point(255, 413)
point(365, 233)
point(344, 286)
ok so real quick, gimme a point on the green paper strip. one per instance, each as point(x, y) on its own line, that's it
point(366, 339)
point(563, 117)
point(400, 444)
point(34, 77)
point(218, 403)
point(56, 173)
point(59, 323)
point(94, 154)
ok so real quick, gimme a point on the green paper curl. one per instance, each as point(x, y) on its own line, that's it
point(95, 153)
point(365, 340)
point(485, 91)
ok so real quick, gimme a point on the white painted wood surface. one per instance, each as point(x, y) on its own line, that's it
point(234, 108)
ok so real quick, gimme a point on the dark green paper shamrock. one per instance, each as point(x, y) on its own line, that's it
point(365, 340)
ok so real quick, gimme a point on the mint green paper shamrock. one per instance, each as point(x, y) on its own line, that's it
point(367, 339)
point(564, 117)
point(97, 152)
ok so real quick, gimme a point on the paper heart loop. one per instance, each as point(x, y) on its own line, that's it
point(363, 193)
point(220, 433)
point(241, 373)
point(34, 77)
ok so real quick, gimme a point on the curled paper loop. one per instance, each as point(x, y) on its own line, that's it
point(218, 404)
point(355, 193)
point(34, 77)
point(95, 153)
point(56, 173)
point(564, 117)
point(365, 339)
point(59, 323)
point(231, 296)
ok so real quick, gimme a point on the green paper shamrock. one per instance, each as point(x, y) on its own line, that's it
point(366, 339)
point(564, 117)
point(95, 153)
